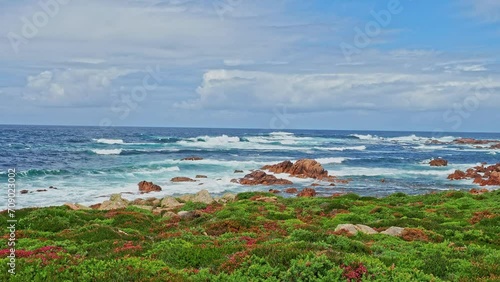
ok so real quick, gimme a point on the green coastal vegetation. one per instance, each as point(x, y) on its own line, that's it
point(448, 236)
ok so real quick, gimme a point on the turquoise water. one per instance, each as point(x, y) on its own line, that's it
point(87, 164)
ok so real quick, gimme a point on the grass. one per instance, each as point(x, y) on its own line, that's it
point(449, 236)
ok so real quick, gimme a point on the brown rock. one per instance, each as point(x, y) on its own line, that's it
point(200, 176)
point(291, 190)
point(182, 179)
point(194, 158)
point(496, 146)
point(24, 191)
point(471, 141)
point(283, 167)
point(457, 175)
point(146, 187)
point(238, 171)
point(307, 192)
point(315, 184)
point(259, 177)
point(274, 191)
point(438, 162)
point(304, 168)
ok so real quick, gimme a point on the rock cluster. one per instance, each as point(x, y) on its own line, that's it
point(307, 192)
point(353, 229)
point(259, 177)
point(438, 162)
point(146, 187)
point(182, 179)
point(304, 168)
point(482, 175)
point(194, 158)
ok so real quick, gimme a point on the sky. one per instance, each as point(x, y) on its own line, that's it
point(284, 64)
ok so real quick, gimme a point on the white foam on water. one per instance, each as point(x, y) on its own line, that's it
point(337, 160)
point(349, 148)
point(109, 141)
point(366, 137)
point(281, 133)
point(107, 151)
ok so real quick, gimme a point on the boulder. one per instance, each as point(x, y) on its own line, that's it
point(193, 158)
point(200, 176)
point(365, 229)
point(228, 197)
point(496, 146)
point(238, 171)
point(438, 162)
point(291, 190)
point(274, 191)
point(182, 179)
point(186, 197)
point(170, 202)
point(203, 197)
point(283, 167)
point(146, 187)
point(265, 199)
point(188, 214)
point(307, 192)
point(308, 168)
point(457, 175)
point(24, 191)
point(350, 228)
point(115, 202)
point(259, 177)
point(393, 231)
point(304, 168)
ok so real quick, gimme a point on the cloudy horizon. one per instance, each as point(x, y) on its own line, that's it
point(288, 64)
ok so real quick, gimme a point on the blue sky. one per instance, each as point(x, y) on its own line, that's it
point(381, 65)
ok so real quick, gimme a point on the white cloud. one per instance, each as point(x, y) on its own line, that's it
point(263, 91)
point(484, 10)
point(71, 87)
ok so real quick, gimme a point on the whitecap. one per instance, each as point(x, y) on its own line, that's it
point(337, 160)
point(109, 141)
point(351, 148)
point(107, 151)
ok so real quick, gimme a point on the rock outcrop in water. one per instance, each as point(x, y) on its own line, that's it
point(259, 177)
point(438, 162)
point(182, 179)
point(146, 187)
point(482, 175)
point(304, 168)
point(194, 158)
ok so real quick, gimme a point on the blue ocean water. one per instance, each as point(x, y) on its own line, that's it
point(87, 164)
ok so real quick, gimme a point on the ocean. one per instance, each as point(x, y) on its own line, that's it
point(87, 164)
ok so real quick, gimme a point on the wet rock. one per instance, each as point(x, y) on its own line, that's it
point(307, 192)
point(438, 162)
point(24, 191)
point(457, 175)
point(146, 187)
point(496, 146)
point(52, 187)
point(304, 168)
point(182, 179)
point(200, 176)
point(41, 190)
point(274, 191)
point(393, 231)
point(291, 190)
point(193, 158)
point(259, 177)
point(238, 171)
point(170, 202)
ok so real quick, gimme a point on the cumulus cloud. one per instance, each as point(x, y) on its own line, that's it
point(263, 91)
point(71, 87)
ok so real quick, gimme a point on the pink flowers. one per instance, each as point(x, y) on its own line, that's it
point(354, 272)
